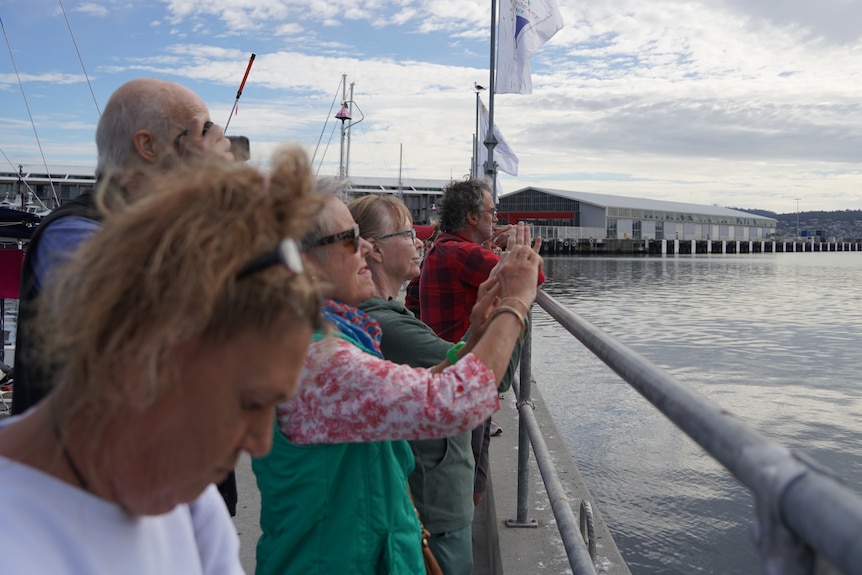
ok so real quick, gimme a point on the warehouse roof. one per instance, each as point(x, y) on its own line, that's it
point(612, 201)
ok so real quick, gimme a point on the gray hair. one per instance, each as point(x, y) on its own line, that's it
point(322, 224)
point(141, 104)
point(459, 199)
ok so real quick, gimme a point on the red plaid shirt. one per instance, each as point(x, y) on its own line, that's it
point(449, 285)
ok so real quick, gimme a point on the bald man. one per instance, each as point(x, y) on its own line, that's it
point(148, 126)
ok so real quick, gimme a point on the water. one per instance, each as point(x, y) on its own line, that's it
point(773, 338)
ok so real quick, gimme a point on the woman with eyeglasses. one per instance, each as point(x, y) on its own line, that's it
point(442, 480)
point(333, 489)
point(172, 334)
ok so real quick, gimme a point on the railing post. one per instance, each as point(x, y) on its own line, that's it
point(525, 375)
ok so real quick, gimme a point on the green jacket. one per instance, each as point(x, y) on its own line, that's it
point(442, 482)
point(340, 508)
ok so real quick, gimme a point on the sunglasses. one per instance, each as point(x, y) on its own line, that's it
point(411, 231)
point(286, 254)
point(207, 125)
point(351, 234)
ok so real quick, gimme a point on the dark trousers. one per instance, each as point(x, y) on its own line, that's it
point(227, 488)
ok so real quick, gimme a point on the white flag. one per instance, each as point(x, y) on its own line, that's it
point(506, 159)
point(525, 26)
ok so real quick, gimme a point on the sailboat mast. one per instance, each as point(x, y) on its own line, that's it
point(342, 169)
point(20, 187)
point(347, 157)
point(400, 163)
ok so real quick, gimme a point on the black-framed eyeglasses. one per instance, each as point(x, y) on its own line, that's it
point(411, 231)
point(286, 254)
point(351, 234)
point(207, 125)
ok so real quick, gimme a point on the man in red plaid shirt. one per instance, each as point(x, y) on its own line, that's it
point(458, 262)
point(453, 269)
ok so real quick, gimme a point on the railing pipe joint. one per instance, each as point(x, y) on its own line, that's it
point(774, 469)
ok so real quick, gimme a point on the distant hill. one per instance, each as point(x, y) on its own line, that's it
point(839, 225)
point(764, 213)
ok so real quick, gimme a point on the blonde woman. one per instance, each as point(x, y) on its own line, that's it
point(172, 335)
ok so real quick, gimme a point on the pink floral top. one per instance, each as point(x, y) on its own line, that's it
point(350, 396)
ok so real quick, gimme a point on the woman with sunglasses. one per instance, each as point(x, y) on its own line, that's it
point(334, 493)
point(172, 333)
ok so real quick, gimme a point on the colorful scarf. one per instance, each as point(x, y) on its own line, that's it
point(355, 325)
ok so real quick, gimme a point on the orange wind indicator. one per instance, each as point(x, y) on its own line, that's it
point(239, 92)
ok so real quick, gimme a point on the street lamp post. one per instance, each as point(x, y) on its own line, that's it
point(797, 217)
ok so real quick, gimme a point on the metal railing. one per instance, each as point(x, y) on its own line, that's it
point(805, 519)
point(580, 559)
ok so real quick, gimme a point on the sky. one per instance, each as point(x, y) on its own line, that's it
point(736, 103)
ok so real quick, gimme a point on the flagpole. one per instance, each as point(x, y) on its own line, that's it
point(490, 139)
point(475, 168)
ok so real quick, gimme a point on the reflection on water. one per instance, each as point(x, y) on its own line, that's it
point(772, 338)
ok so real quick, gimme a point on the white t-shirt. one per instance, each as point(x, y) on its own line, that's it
point(49, 526)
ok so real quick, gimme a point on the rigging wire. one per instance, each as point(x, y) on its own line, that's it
point(26, 184)
point(329, 141)
point(27, 105)
point(69, 25)
point(323, 129)
point(7, 158)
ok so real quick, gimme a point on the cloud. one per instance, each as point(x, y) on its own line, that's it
point(92, 9)
point(59, 78)
point(718, 102)
point(289, 29)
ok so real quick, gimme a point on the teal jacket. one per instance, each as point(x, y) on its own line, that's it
point(442, 483)
point(340, 508)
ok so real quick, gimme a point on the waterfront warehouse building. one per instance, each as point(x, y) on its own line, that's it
point(562, 214)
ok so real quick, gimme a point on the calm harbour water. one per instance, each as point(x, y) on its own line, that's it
point(773, 338)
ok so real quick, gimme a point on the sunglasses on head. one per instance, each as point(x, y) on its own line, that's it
point(351, 234)
point(286, 254)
